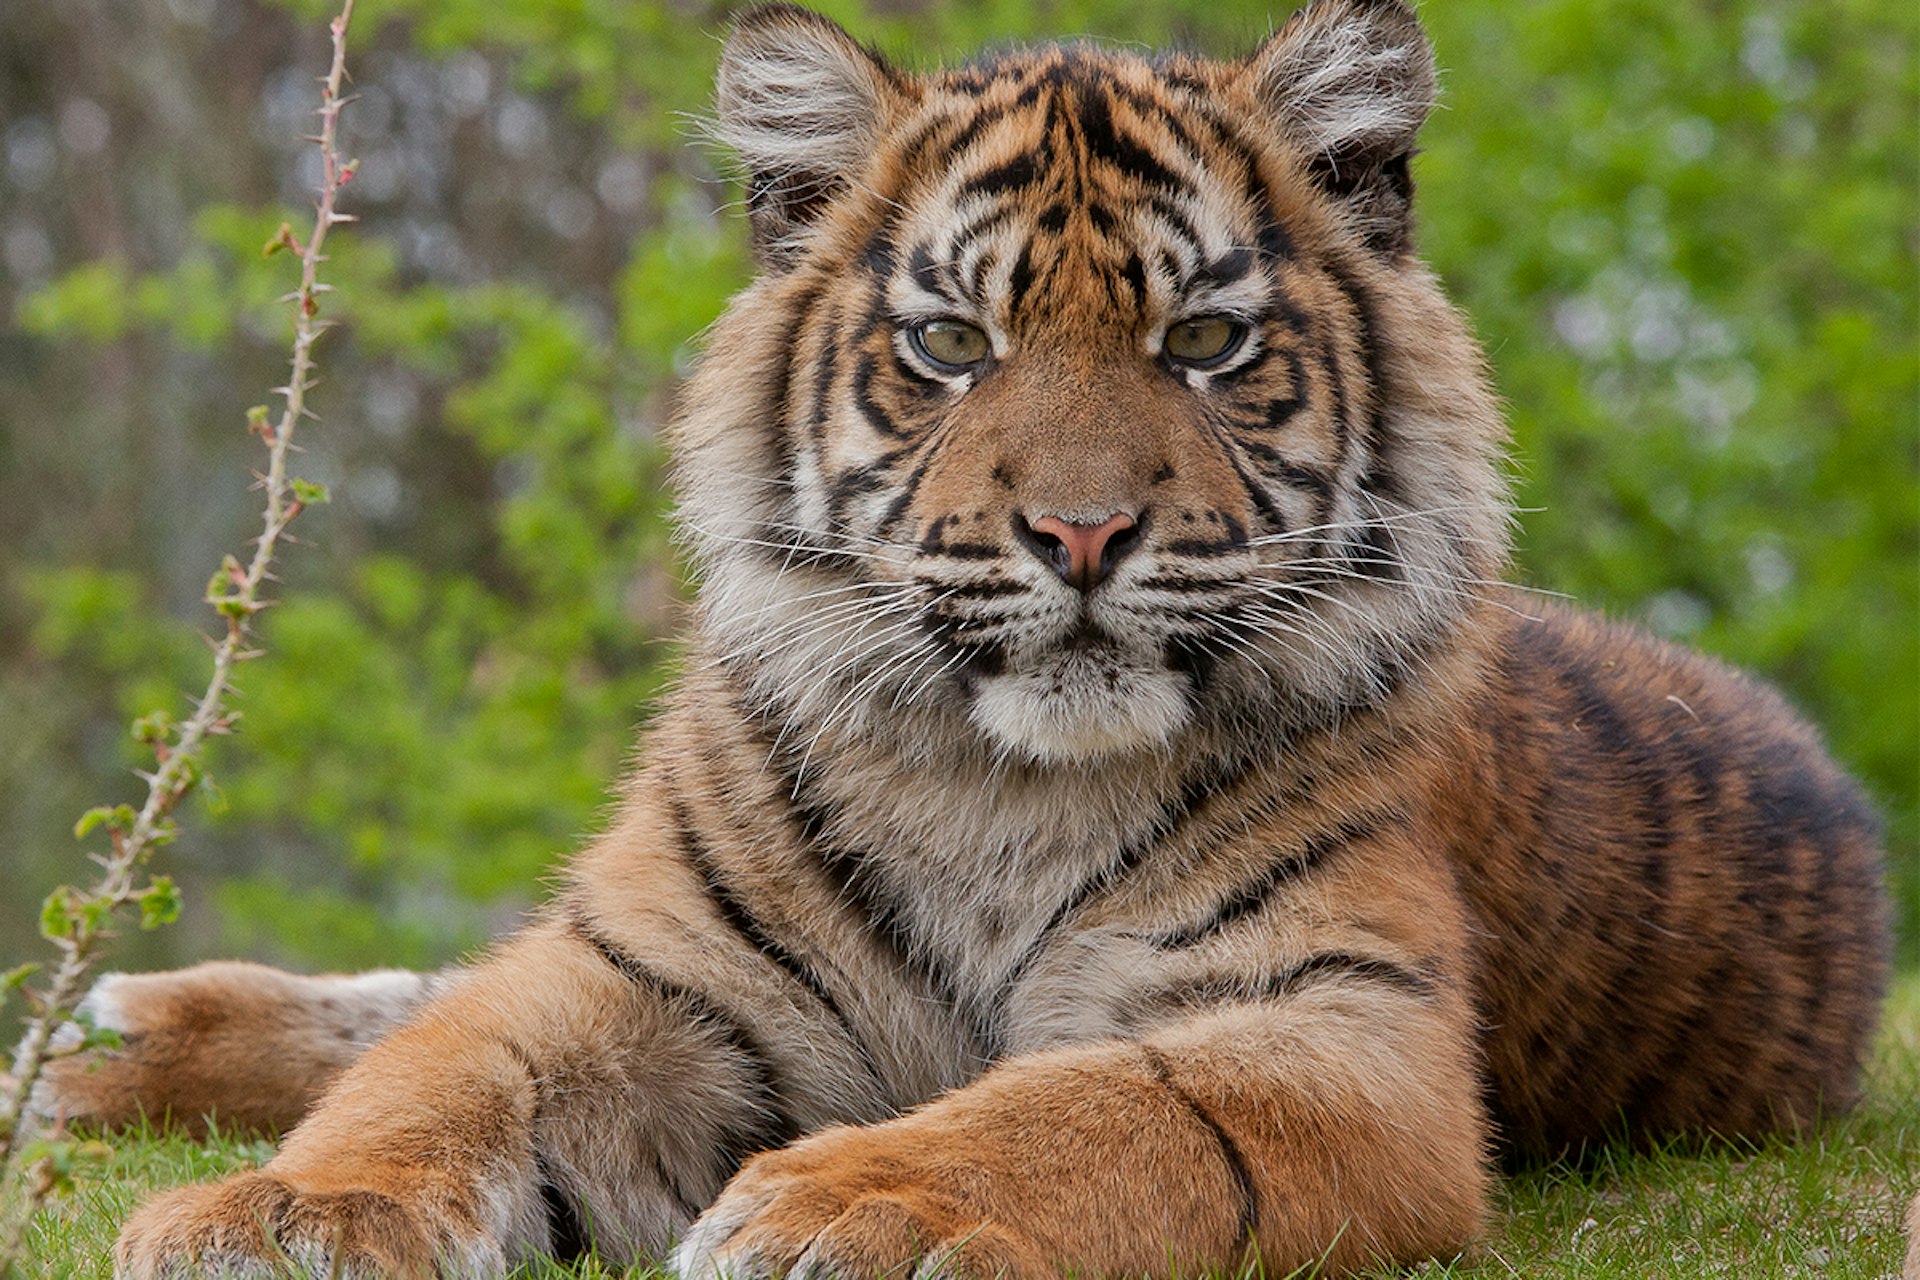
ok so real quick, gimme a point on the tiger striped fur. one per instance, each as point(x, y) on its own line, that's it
point(1114, 817)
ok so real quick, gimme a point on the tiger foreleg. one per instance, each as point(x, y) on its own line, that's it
point(542, 1096)
point(242, 1045)
point(1341, 1126)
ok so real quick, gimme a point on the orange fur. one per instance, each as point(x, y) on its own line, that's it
point(974, 908)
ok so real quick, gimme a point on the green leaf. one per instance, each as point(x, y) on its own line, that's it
point(91, 819)
point(159, 903)
point(311, 493)
point(57, 913)
point(92, 1034)
point(119, 817)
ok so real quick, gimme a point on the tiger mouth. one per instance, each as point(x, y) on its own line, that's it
point(1084, 697)
point(1087, 637)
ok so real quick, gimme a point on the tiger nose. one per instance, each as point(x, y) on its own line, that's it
point(1084, 555)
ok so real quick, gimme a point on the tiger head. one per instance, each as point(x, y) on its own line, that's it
point(1085, 401)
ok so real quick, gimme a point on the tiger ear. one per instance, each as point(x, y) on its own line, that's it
point(803, 106)
point(1350, 82)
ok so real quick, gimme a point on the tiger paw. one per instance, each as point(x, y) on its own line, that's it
point(259, 1225)
point(855, 1202)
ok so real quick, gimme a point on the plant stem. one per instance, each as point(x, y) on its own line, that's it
point(237, 595)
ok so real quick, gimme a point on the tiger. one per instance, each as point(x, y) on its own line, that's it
point(1117, 816)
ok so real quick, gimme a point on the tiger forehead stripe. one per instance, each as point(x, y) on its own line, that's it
point(1075, 143)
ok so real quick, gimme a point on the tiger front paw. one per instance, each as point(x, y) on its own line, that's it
point(259, 1225)
point(856, 1202)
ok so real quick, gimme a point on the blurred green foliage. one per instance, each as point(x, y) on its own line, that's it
point(1687, 235)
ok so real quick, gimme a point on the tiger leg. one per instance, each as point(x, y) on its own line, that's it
point(1341, 1124)
point(545, 1094)
point(242, 1045)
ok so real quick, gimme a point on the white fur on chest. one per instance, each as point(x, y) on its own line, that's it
point(976, 859)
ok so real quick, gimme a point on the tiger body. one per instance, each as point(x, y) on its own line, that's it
point(1114, 817)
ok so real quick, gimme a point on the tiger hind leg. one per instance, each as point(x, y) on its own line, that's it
point(239, 1045)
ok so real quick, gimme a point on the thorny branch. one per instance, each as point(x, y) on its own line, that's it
point(78, 922)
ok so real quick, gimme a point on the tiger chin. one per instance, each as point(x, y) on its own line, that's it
point(1115, 819)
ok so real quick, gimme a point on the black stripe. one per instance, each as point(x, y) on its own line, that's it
point(681, 1200)
point(962, 137)
point(1017, 172)
point(987, 590)
point(909, 490)
point(1180, 223)
point(1256, 492)
point(859, 481)
point(1251, 897)
point(1020, 279)
point(1247, 1230)
point(852, 882)
point(740, 918)
point(826, 368)
point(1204, 548)
point(1147, 107)
point(879, 253)
point(1217, 780)
point(964, 238)
point(1310, 479)
point(786, 548)
point(1106, 142)
point(1279, 410)
point(1229, 268)
point(1134, 272)
point(879, 419)
point(1330, 359)
point(1195, 586)
point(1201, 993)
point(1379, 475)
point(962, 550)
point(567, 1232)
point(768, 1123)
point(1299, 475)
point(785, 453)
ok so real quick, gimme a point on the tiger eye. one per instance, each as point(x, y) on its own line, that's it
point(1205, 340)
point(951, 344)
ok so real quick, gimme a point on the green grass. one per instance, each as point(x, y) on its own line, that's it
point(1828, 1207)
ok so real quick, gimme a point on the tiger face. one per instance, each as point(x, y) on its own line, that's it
point(1086, 419)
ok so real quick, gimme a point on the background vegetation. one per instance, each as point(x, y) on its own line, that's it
point(1687, 234)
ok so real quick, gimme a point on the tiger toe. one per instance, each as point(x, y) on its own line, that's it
point(257, 1226)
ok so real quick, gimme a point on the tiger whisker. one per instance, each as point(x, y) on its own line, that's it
point(849, 653)
point(816, 620)
point(847, 700)
point(792, 548)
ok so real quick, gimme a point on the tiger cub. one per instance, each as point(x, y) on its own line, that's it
point(1115, 818)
